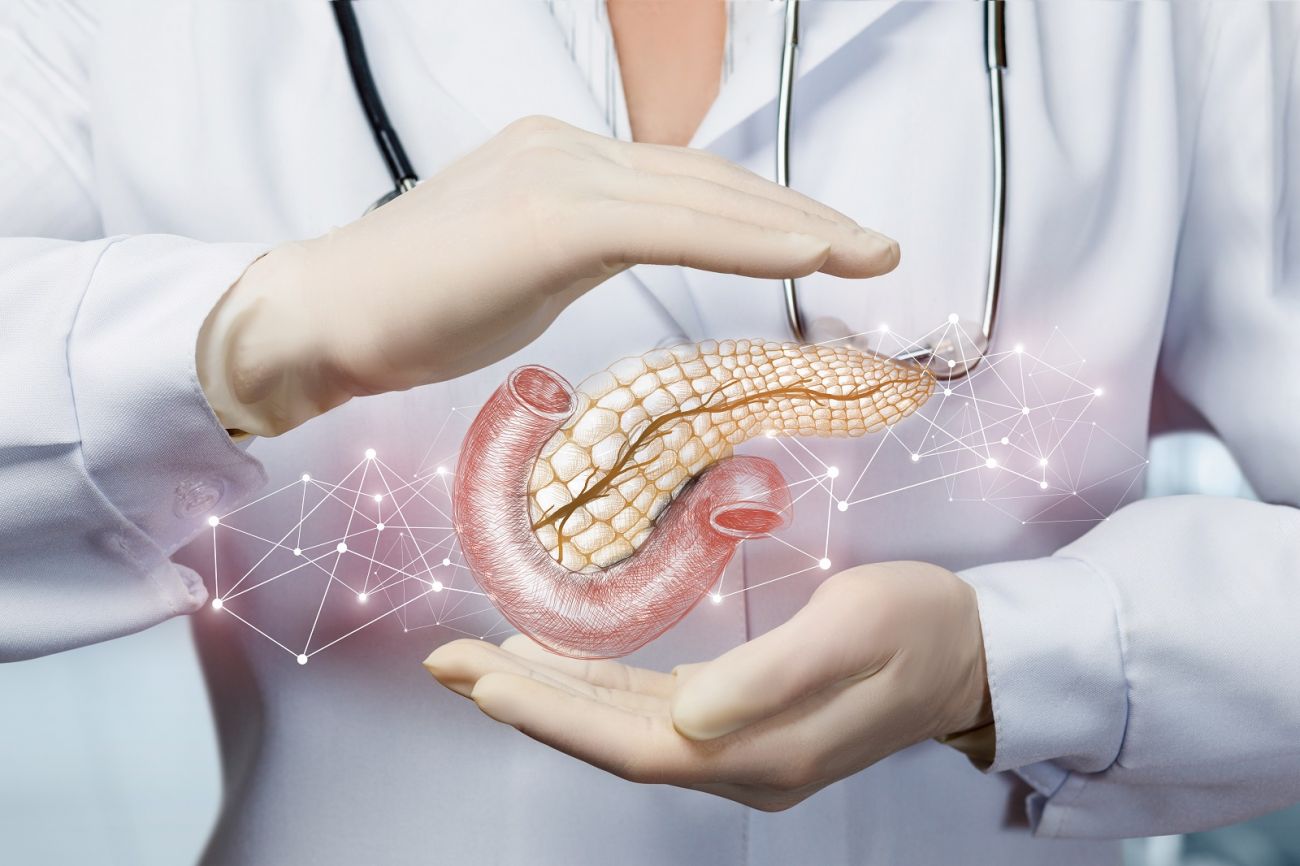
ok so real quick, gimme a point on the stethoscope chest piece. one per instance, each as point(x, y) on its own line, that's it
point(950, 352)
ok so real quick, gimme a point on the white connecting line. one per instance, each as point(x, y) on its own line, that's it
point(378, 545)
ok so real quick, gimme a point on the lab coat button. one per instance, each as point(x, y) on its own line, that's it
point(196, 498)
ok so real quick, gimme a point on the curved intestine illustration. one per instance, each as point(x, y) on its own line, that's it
point(596, 517)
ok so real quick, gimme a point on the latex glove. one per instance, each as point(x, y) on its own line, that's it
point(476, 261)
point(881, 657)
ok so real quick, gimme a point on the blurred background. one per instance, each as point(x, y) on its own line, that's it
point(107, 754)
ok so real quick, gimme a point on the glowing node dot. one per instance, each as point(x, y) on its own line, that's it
point(363, 597)
point(1042, 485)
point(370, 454)
point(446, 562)
point(1042, 461)
point(947, 392)
point(441, 470)
point(1005, 441)
point(213, 520)
point(916, 457)
point(884, 328)
point(380, 527)
point(302, 658)
point(842, 506)
point(297, 551)
point(216, 604)
point(1097, 392)
point(1024, 410)
point(1020, 349)
point(306, 477)
point(437, 586)
point(833, 472)
point(379, 497)
point(715, 598)
point(824, 564)
point(991, 463)
point(951, 363)
point(342, 547)
point(952, 318)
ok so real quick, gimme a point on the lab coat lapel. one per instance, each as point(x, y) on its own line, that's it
point(502, 60)
point(826, 26)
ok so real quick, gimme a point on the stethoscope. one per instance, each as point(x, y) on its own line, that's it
point(950, 356)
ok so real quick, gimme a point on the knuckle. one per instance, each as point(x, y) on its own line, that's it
point(845, 586)
point(539, 161)
point(526, 130)
point(708, 157)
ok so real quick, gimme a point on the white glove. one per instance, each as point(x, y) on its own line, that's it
point(882, 657)
point(478, 260)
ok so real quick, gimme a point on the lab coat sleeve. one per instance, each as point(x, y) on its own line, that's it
point(110, 457)
point(1146, 678)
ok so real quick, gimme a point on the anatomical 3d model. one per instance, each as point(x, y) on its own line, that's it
point(597, 517)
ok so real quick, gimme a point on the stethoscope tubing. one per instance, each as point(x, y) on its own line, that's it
point(386, 137)
point(995, 56)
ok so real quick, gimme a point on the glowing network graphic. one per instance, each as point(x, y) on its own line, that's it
point(376, 547)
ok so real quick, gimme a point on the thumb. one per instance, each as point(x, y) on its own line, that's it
point(831, 639)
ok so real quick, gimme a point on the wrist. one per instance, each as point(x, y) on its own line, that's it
point(255, 356)
point(975, 707)
point(974, 734)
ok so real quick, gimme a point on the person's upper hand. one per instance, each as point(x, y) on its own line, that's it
point(478, 260)
point(882, 657)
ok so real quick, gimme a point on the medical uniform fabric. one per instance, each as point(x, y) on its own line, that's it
point(1144, 672)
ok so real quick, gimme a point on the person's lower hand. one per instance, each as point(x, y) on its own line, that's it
point(478, 260)
point(882, 657)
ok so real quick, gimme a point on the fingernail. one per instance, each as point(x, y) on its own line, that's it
point(432, 663)
point(876, 234)
point(446, 674)
point(884, 247)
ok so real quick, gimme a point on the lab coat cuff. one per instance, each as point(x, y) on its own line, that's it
point(151, 444)
point(1055, 667)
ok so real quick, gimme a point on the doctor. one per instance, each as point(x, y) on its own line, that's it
point(177, 306)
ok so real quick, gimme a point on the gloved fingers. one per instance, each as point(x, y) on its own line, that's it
point(855, 252)
point(774, 671)
point(820, 739)
point(460, 664)
point(815, 741)
point(682, 673)
point(606, 673)
point(636, 747)
point(661, 234)
point(666, 159)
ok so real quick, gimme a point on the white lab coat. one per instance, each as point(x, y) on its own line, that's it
point(1145, 673)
